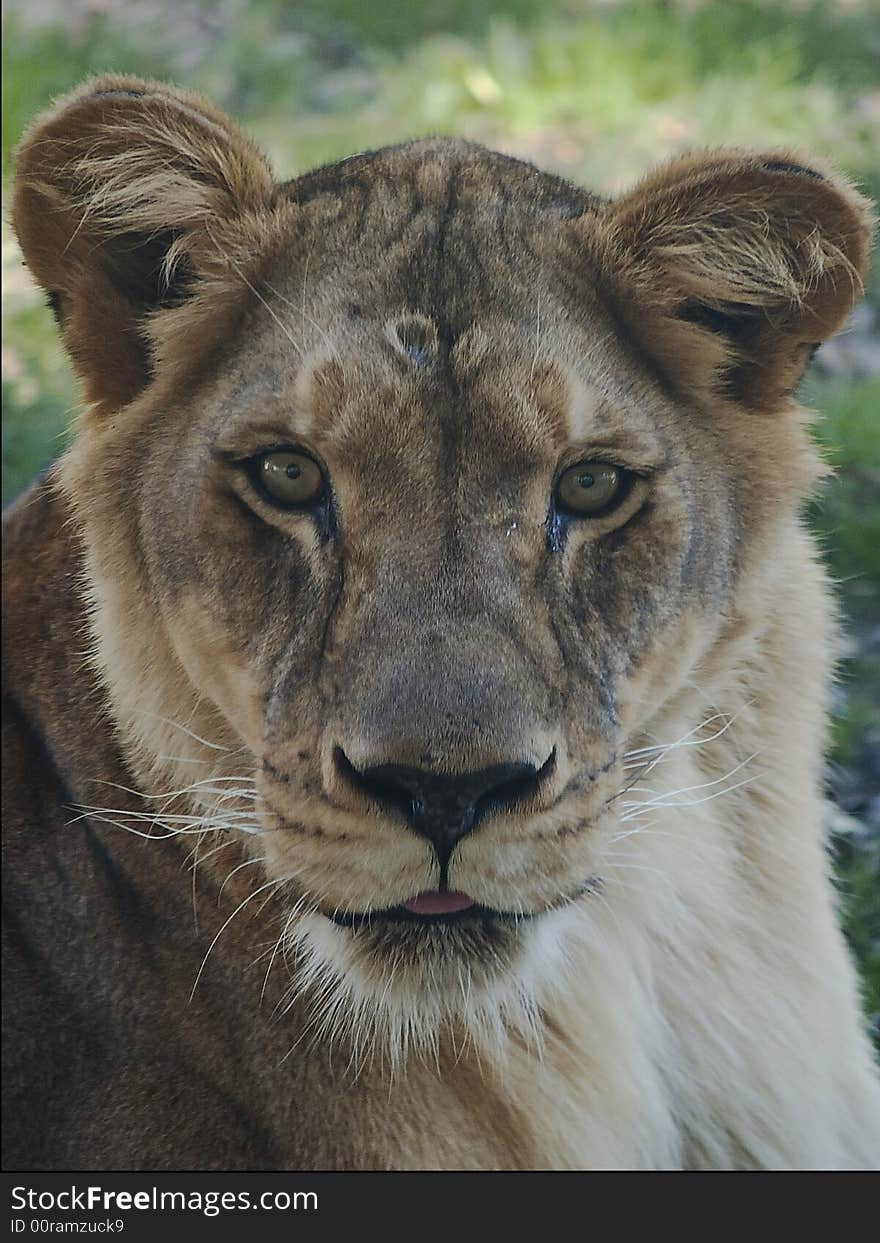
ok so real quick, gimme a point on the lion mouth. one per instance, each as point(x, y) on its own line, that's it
point(439, 902)
point(430, 907)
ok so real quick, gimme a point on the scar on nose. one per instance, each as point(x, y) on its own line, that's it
point(414, 336)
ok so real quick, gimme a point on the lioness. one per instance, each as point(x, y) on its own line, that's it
point(417, 666)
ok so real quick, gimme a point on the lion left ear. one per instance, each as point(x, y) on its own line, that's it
point(730, 268)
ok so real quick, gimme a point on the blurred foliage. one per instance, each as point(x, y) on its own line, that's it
point(599, 90)
point(595, 89)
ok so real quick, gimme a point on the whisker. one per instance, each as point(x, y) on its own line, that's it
point(235, 822)
point(162, 818)
point(333, 349)
point(647, 766)
point(179, 759)
point(682, 741)
point(643, 828)
point(248, 863)
point(215, 746)
point(698, 801)
point(292, 913)
point(275, 316)
point(205, 786)
point(152, 837)
point(703, 785)
point(256, 893)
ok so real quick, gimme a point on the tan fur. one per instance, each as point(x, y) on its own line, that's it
point(446, 330)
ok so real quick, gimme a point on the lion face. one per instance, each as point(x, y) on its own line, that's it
point(431, 495)
point(435, 660)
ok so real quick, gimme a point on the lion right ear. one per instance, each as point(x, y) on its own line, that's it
point(730, 267)
point(131, 198)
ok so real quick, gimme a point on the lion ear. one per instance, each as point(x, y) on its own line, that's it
point(128, 196)
point(731, 268)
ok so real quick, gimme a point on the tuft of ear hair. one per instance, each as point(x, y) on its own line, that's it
point(729, 268)
point(130, 197)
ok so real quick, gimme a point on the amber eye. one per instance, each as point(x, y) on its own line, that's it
point(591, 488)
point(290, 479)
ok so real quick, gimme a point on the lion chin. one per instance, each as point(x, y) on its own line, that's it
point(388, 990)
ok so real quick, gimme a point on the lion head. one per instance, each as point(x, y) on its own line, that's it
point(414, 493)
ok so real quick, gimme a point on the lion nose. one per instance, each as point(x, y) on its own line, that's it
point(445, 808)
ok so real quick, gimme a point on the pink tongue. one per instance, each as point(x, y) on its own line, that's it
point(438, 903)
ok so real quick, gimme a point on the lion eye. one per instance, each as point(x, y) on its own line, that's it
point(590, 488)
point(290, 479)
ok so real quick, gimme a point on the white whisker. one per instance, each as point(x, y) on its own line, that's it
point(278, 320)
point(683, 740)
point(248, 863)
point(695, 802)
point(256, 893)
point(215, 746)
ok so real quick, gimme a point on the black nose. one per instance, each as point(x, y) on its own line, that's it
point(444, 808)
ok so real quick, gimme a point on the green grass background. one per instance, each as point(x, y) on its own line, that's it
point(595, 90)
